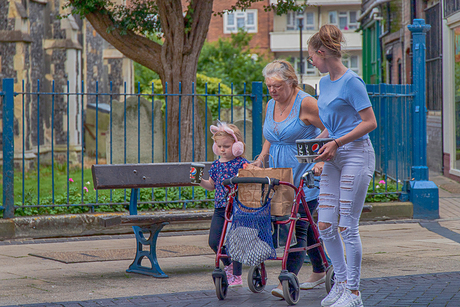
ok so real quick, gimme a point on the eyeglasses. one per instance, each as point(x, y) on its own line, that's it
point(310, 60)
point(275, 87)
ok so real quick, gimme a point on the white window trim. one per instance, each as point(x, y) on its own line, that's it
point(308, 71)
point(337, 16)
point(254, 11)
point(295, 27)
point(348, 59)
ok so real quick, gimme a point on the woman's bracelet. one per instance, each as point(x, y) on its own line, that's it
point(336, 143)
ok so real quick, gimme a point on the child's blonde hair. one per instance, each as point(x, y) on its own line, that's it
point(222, 133)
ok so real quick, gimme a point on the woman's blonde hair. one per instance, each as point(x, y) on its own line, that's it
point(236, 131)
point(330, 37)
point(281, 70)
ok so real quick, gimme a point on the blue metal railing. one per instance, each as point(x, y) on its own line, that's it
point(399, 140)
point(391, 140)
point(46, 103)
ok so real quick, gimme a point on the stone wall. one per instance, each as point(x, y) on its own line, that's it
point(127, 136)
point(44, 53)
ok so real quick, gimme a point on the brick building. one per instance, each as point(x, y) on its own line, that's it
point(254, 20)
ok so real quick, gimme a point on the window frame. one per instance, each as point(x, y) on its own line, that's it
point(341, 14)
point(238, 14)
point(348, 64)
point(309, 70)
point(292, 24)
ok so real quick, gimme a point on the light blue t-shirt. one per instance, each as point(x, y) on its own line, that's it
point(339, 103)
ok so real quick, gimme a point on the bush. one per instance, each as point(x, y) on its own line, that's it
point(383, 191)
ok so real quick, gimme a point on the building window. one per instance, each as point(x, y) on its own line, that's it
point(456, 89)
point(351, 62)
point(345, 20)
point(310, 69)
point(292, 23)
point(246, 20)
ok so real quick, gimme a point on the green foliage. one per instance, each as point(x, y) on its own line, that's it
point(392, 21)
point(204, 85)
point(231, 60)
point(140, 16)
point(378, 191)
point(143, 77)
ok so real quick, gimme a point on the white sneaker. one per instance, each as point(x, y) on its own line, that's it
point(334, 295)
point(349, 299)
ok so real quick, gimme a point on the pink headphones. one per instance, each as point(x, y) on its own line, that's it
point(237, 147)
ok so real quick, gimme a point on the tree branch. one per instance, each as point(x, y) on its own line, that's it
point(136, 47)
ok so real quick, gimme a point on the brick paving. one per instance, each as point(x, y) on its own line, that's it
point(431, 290)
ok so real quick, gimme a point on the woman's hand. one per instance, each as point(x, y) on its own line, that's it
point(327, 152)
point(258, 163)
point(318, 168)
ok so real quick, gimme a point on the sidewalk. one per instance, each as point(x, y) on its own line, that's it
point(405, 263)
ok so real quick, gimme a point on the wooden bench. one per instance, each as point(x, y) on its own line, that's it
point(149, 175)
point(147, 227)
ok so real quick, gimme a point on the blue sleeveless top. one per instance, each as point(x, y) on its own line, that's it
point(282, 136)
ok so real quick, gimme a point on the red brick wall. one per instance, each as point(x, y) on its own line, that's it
point(260, 40)
point(447, 168)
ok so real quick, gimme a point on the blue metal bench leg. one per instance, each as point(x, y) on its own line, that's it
point(150, 254)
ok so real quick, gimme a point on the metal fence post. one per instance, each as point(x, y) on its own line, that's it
point(257, 110)
point(8, 147)
point(424, 194)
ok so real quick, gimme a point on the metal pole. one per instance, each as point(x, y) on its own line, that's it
point(8, 148)
point(424, 194)
point(301, 55)
point(257, 110)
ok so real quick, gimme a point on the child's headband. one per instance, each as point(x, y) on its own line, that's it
point(222, 126)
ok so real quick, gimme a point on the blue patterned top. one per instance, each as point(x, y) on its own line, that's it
point(282, 136)
point(219, 172)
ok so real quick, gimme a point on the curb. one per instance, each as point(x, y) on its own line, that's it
point(76, 225)
point(389, 211)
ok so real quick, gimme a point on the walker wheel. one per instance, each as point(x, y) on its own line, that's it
point(221, 287)
point(291, 293)
point(257, 277)
point(329, 278)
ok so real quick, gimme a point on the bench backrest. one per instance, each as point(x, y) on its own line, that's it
point(147, 175)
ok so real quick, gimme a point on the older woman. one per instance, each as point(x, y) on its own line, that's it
point(290, 115)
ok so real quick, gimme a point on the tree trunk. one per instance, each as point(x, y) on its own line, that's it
point(182, 45)
point(175, 62)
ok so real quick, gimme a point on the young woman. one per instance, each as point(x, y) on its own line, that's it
point(346, 112)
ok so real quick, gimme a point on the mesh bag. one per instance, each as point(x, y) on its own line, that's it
point(249, 239)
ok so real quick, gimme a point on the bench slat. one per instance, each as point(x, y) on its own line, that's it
point(143, 220)
point(148, 175)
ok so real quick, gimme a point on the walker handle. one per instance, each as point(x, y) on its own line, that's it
point(236, 180)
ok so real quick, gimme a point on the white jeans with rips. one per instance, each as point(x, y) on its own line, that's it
point(343, 190)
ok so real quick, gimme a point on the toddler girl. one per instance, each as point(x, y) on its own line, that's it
point(228, 144)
